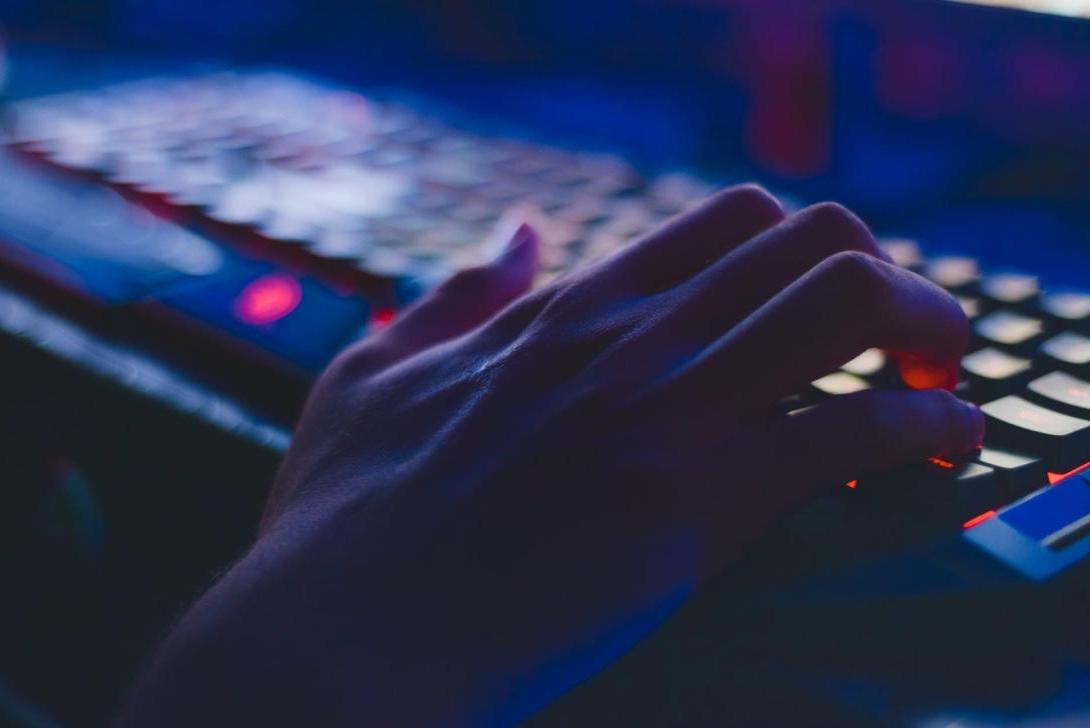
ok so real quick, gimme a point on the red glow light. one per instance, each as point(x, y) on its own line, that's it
point(382, 318)
point(919, 373)
point(853, 484)
point(946, 464)
point(1054, 478)
point(977, 520)
point(268, 299)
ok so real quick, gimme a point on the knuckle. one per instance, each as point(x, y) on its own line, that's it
point(569, 300)
point(755, 197)
point(839, 224)
point(859, 275)
point(748, 202)
point(356, 362)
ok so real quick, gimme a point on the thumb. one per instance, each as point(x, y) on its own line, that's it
point(463, 302)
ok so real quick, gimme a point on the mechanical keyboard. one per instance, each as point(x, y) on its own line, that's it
point(281, 218)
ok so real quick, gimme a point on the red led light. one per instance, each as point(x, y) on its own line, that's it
point(853, 484)
point(919, 373)
point(945, 464)
point(1054, 478)
point(268, 299)
point(383, 317)
point(977, 520)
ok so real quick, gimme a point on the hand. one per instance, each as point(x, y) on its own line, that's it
point(481, 509)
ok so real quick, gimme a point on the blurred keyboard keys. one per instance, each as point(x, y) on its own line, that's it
point(969, 306)
point(1068, 309)
point(1010, 330)
point(904, 252)
point(991, 372)
point(954, 273)
point(1068, 351)
point(1013, 290)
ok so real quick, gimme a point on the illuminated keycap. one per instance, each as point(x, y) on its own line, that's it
point(1060, 440)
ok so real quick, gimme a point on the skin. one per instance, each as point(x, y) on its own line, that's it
point(501, 493)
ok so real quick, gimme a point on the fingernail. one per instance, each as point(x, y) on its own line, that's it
point(518, 238)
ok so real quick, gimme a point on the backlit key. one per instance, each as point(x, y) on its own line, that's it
point(1010, 330)
point(1068, 308)
point(1015, 290)
point(969, 306)
point(1068, 351)
point(991, 372)
point(868, 364)
point(904, 252)
point(954, 273)
point(1062, 392)
point(1060, 440)
point(840, 383)
point(1019, 474)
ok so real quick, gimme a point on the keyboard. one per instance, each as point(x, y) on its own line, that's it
point(371, 185)
point(278, 218)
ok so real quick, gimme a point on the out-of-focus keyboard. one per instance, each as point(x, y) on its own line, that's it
point(373, 186)
point(289, 192)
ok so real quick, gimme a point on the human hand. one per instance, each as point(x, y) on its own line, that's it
point(485, 503)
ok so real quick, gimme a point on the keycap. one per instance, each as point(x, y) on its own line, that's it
point(1067, 309)
point(1068, 351)
point(970, 306)
point(976, 489)
point(1010, 330)
point(954, 273)
point(991, 372)
point(840, 383)
point(904, 252)
point(1019, 474)
point(1014, 290)
point(868, 364)
point(1062, 392)
point(940, 491)
point(1062, 441)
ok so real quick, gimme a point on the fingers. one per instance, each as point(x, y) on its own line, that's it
point(692, 241)
point(848, 303)
point(465, 301)
point(790, 460)
point(751, 274)
point(858, 434)
point(472, 296)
